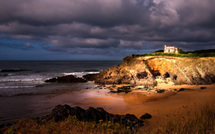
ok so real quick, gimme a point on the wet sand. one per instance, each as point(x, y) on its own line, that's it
point(139, 102)
point(159, 105)
point(162, 106)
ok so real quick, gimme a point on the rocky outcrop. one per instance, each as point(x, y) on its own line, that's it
point(145, 71)
point(67, 79)
point(61, 112)
point(91, 77)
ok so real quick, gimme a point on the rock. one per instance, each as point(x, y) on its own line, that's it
point(146, 116)
point(59, 113)
point(203, 87)
point(160, 90)
point(90, 77)
point(124, 89)
point(51, 80)
point(62, 112)
point(93, 114)
point(182, 89)
point(66, 79)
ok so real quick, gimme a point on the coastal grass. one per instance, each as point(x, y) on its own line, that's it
point(197, 121)
point(189, 120)
point(70, 126)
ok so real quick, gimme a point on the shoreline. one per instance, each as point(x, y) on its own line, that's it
point(159, 105)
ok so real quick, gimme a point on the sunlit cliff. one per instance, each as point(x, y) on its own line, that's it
point(147, 70)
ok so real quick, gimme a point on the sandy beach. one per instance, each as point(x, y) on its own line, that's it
point(159, 105)
point(137, 102)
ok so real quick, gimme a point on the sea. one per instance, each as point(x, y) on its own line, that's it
point(21, 82)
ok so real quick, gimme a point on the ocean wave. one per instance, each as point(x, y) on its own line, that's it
point(21, 80)
point(92, 70)
point(80, 74)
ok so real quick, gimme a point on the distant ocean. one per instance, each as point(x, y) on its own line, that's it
point(24, 94)
point(27, 77)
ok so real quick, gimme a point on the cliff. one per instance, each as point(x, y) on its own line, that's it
point(152, 70)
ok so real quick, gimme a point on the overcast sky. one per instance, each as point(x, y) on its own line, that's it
point(102, 29)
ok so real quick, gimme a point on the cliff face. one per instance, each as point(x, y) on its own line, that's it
point(147, 70)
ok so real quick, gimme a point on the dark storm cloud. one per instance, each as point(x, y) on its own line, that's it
point(95, 12)
point(109, 26)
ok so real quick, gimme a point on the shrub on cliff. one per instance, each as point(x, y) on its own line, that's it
point(196, 53)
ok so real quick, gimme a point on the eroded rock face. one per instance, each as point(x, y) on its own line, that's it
point(61, 112)
point(145, 71)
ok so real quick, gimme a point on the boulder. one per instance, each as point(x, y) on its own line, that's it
point(203, 87)
point(183, 89)
point(61, 112)
point(146, 116)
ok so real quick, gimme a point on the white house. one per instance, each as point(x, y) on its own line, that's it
point(170, 49)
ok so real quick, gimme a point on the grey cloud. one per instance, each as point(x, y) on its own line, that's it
point(109, 26)
point(95, 12)
point(70, 42)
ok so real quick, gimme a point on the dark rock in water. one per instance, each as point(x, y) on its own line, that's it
point(70, 78)
point(66, 79)
point(146, 116)
point(90, 77)
point(51, 80)
point(61, 112)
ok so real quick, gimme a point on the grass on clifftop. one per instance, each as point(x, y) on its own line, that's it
point(196, 53)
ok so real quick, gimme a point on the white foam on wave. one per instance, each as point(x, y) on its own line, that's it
point(79, 74)
point(23, 78)
point(20, 80)
point(29, 84)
